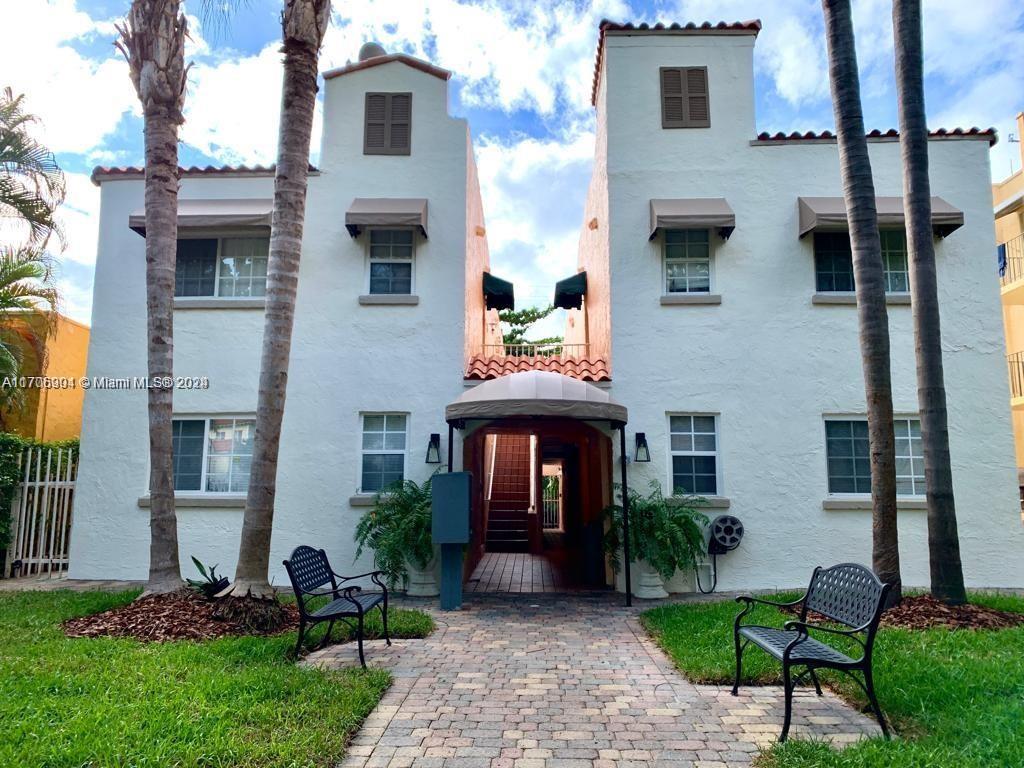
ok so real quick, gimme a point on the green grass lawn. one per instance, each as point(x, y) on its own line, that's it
point(956, 697)
point(238, 701)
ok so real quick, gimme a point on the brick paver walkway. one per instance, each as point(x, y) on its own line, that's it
point(536, 681)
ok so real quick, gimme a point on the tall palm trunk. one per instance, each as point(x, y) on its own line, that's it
point(859, 193)
point(304, 23)
point(153, 42)
point(947, 576)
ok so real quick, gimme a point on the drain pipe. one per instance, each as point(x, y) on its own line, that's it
point(625, 512)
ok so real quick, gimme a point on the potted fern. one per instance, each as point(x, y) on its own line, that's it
point(397, 529)
point(663, 538)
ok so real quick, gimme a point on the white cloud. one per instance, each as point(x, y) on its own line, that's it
point(79, 100)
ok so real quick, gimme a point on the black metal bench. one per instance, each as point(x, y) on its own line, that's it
point(310, 572)
point(847, 594)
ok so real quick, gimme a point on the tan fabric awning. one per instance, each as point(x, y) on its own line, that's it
point(692, 213)
point(828, 214)
point(221, 214)
point(536, 393)
point(386, 212)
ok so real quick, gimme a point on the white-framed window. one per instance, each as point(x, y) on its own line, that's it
point(693, 450)
point(687, 258)
point(222, 267)
point(849, 456)
point(213, 454)
point(390, 269)
point(384, 439)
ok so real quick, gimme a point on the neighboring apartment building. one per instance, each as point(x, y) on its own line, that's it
point(714, 303)
point(1008, 201)
point(51, 412)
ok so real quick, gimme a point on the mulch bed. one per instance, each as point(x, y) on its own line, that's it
point(925, 612)
point(183, 615)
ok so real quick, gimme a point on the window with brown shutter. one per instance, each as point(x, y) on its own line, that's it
point(388, 125)
point(684, 97)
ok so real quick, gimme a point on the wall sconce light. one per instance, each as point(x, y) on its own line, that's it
point(434, 449)
point(643, 453)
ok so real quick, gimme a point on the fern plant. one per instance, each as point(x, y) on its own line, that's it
point(397, 529)
point(667, 535)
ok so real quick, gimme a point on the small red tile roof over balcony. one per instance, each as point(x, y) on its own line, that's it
point(485, 367)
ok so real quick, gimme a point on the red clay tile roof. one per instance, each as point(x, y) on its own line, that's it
point(412, 61)
point(989, 134)
point(101, 172)
point(483, 367)
point(751, 27)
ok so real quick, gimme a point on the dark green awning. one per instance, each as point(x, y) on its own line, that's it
point(498, 293)
point(569, 293)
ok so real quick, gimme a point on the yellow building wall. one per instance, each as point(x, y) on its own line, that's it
point(1008, 227)
point(53, 413)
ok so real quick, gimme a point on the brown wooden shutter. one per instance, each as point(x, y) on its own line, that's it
point(375, 134)
point(388, 129)
point(684, 97)
point(400, 115)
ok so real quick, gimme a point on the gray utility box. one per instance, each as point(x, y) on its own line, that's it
point(450, 502)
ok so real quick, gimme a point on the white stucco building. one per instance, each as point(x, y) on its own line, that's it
point(716, 306)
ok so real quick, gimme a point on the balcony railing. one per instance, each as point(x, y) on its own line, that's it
point(552, 349)
point(1016, 361)
point(1014, 269)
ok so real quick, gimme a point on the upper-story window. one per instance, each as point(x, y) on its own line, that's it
point(228, 267)
point(391, 262)
point(833, 261)
point(388, 125)
point(687, 261)
point(684, 97)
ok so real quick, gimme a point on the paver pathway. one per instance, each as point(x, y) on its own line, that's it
point(537, 681)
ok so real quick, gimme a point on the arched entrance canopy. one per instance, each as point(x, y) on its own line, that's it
point(539, 394)
point(536, 394)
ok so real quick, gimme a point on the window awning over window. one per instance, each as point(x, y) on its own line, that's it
point(215, 214)
point(825, 214)
point(569, 293)
point(692, 213)
point(498, 293)
point(386, 212)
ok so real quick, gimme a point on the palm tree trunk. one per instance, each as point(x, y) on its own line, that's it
point(304, 23)
point(947, 576)
point(153, 42)
point(859, 193)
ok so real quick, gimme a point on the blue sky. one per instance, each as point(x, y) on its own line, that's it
point(522, 78)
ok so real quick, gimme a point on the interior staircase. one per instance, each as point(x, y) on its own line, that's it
point(508, 516)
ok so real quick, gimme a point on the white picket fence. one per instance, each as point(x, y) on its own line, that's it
point(42, 511)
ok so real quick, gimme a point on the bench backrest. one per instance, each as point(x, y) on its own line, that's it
point(847, 593)
point(308, 569)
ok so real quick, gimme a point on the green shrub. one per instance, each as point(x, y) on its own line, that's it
point(397, 529)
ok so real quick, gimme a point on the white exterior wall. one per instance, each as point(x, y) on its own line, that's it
point(769, 362)
point(346, 358)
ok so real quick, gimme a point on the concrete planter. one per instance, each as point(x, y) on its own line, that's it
point(646, 582)
point(422, 583)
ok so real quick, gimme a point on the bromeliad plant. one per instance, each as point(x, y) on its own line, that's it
point(211, 583)
point(397, 529)
point(669, 536)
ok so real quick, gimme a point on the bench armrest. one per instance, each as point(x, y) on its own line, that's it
point(374, 577)
point(751, 599)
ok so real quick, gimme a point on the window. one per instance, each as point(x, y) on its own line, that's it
point(388, 124)
point(693, 445)
point(383, 451)
point(687, 261)
point(684, 97)
point(833, 261)
point(849, 456)
point(213, 455)
point(391, 261)
point(227, 267)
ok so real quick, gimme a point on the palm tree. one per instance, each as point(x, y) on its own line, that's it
point(303, 23)
point(869, 279)
point(947, 575)
point(152, 39)
point(31, 182)
point(26, 286)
